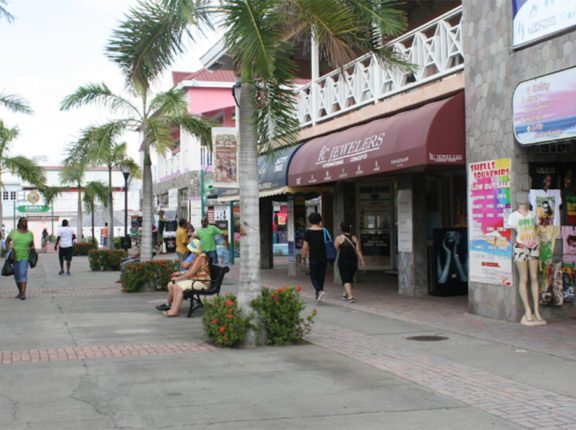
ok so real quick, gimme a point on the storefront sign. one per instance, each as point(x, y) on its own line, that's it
point(225, 156)
point(544, 108)
point(32, 208)
point(404, 217)
point(488, 209)
point(536, 19)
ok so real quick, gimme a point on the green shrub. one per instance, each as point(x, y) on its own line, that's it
point(105, 259)
point(117, 243)
point(224, 324)
point(83, 248)
point(155, 273)
point(279, 311)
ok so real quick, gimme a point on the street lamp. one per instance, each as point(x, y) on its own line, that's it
point(126, 172)
point(236, 91)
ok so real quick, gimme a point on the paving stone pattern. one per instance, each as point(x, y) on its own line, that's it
point(519, 403)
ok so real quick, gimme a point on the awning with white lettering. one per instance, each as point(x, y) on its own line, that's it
point(432, 134)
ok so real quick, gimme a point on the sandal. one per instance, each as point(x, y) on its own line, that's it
point(163, 307)
point(166, 314)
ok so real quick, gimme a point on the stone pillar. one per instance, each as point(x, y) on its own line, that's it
point(413, 266)
point(291, 237)
point(266, 250)
point(338, 215)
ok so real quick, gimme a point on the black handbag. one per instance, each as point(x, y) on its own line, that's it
point(33, 258)
point(8, 268)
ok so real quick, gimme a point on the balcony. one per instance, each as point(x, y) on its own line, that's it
point(435, 50)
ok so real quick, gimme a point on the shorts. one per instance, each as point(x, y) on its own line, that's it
point(193, 284)
point(65, 253)
point(21, 271)
point(525, 253)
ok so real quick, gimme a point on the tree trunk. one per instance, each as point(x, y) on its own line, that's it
point(249, 287)
point(92, 219)
point(111, 213)
point(147, 207)
point(79, 217)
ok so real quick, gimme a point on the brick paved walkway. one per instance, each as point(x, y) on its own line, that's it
point(76, 291)
point(101, 351)
point(519, 403)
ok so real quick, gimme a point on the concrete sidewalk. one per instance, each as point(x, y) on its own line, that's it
point(81, 354)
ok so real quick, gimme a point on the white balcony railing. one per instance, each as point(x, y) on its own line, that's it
point(435, 50)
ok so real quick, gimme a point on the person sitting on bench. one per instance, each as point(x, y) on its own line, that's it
point(197, 277)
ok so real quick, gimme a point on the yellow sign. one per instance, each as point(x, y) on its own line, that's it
point(33, 197)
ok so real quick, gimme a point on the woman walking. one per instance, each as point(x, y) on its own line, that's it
point(314, 249)
point(350, 253)
point(21, 241)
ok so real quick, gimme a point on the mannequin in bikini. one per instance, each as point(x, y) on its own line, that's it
point(526, 258)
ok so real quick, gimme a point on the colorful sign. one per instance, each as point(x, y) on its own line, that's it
point(536, 19)
point(544, 108)
point(32, 208)
point(490, 255)
point(225, 157)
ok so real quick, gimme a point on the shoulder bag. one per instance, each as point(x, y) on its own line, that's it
point(330, 248)
point(8, 268)
point(33, 258)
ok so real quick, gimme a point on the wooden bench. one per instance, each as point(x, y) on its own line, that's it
point(217, 276)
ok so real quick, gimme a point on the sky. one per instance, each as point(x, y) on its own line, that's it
point(51, 49)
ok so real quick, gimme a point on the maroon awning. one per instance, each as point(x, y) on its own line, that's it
point(431, 134)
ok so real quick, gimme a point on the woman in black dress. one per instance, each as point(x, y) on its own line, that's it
point(350, 253)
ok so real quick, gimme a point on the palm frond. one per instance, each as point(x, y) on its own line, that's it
point(15, 103)
point(26, 169)
point(152, 36)
point(133, 168)
point(6, 136)
point(158, 135)
point(95, 142)
point(98, 94)
point(4, 13)
point(95, 191)
point(50, 193)
point(73, 172)
point(169, 102)
point(196, 126)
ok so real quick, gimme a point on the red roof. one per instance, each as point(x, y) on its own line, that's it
point(204, 75)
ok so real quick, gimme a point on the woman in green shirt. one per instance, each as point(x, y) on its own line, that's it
point(21, 241)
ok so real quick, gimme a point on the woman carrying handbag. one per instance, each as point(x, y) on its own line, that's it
point(21, 242)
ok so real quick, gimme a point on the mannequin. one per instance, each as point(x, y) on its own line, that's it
point(526, 258)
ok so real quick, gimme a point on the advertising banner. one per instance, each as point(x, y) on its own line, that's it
point(544, 108)
point(536, 19)
point(490, 255)
point(225, 157)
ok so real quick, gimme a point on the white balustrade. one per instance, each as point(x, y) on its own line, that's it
point(434, 50)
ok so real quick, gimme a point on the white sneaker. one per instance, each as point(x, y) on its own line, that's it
point(320, 296)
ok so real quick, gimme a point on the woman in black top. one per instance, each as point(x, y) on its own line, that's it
point(314, 249)
point(350, 253)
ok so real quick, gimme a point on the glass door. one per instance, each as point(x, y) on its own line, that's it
point(375, 220)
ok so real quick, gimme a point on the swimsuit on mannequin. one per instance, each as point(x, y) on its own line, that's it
point(526, 258)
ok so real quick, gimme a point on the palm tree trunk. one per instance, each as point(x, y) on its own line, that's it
point(92, 219)
point(147, 207)
point(249, 287)
point(79, 216)
point(111, 213)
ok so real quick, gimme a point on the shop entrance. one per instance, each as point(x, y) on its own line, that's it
point(376, 223)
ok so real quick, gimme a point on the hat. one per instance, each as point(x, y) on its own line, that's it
point(195, 246)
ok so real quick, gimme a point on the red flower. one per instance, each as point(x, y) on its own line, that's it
point(221, 329)
point(277, 299)
point(299, 288)
point(229, 302)
point(214, 321)
point(229, 316)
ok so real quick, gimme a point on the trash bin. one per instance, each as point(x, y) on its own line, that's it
point(170, 243)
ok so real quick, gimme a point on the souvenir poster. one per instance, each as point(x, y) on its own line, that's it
point(490, 255)
point(552, 285)
point(225, 157)
point(569, 244)
point(568, 281)
point(545, 175)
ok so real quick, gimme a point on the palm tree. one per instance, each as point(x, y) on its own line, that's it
point(98, 144)
point(258, 37)
point(49, 194)
point(73, 173)
point(19, 165)
point(95, 191)
point(154, 116)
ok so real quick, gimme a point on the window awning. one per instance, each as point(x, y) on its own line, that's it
point(432, 134)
